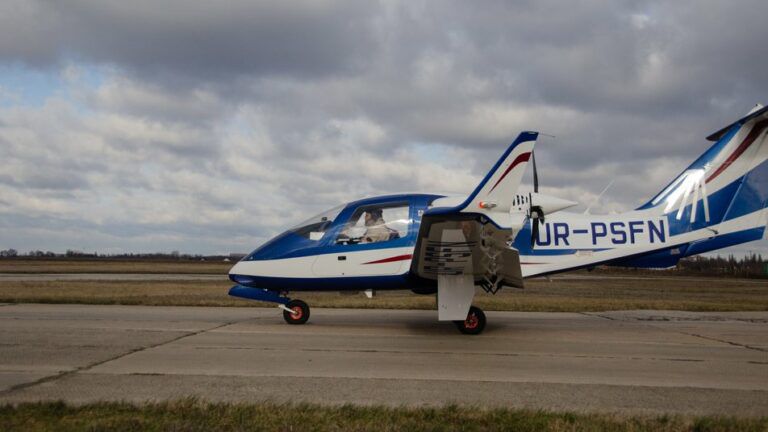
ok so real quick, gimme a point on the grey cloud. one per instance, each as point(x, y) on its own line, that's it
point(47, 179)
point(181, 39)
point(199, 107)
point(48, 232)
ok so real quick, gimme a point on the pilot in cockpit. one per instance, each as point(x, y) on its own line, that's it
point(376, 230)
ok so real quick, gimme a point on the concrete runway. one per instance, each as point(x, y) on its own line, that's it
point(633, 362)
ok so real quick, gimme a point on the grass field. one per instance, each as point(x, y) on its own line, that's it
point(112, 266)
point(577, 294)
point(190, 415)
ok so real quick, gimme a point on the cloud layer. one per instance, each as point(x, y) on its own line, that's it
point(208, 127)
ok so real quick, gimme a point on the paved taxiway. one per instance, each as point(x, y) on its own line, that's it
point(640, 362)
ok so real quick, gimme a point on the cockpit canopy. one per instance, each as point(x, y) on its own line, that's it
point(365, 224)
point(314, 227)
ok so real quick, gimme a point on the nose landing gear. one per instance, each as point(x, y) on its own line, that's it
point(295, 312)
point(475, 322)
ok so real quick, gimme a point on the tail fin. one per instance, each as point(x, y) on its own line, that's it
point(733, 168)
point(727, 186)
point(500, 185)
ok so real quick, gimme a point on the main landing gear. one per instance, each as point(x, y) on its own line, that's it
point(475, 322)
point(295, 312)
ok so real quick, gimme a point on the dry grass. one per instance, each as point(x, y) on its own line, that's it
point(558, 295)
point(191, 415)
point(112, 266)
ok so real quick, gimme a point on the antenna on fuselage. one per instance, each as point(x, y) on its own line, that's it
point(600, 195)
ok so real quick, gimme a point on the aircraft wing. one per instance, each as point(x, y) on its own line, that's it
point(470, 244)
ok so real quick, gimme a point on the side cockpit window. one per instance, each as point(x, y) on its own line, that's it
point(315, 227)
point(376, 223)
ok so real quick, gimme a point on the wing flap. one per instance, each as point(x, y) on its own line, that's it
point(458, 244)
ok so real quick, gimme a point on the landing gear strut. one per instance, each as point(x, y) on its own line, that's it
point(296, 312)
point(475, 322)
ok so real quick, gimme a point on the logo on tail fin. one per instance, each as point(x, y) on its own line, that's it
point(692, 183)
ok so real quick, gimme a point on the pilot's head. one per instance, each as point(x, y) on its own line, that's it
point(372, 216)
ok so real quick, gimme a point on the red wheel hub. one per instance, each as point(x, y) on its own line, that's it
point(471, 322)
point(297, 313)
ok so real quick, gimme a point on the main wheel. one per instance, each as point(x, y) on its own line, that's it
point(475, 322)
point(299, 312)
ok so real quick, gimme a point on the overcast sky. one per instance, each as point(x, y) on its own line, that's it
point(207, 126)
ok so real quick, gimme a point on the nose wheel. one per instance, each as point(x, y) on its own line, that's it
point(297, 313)
point(475, 322)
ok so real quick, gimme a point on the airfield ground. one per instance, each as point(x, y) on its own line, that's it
point(193, 415)
point(574, 346)
point(625, 364)
point(193, 283)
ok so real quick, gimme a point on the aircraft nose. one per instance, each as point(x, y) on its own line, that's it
point(234, 268)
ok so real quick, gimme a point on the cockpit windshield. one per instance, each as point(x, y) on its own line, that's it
point(314, 227)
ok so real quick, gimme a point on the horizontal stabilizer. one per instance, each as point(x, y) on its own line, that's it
point(752, 114)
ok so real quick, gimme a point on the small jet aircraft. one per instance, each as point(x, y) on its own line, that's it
point(496, 237)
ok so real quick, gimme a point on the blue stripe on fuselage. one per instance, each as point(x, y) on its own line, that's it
point(352, 283)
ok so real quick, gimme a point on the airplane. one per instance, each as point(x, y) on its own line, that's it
point(497, 236)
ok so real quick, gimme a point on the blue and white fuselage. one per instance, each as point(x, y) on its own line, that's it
point(294, 261)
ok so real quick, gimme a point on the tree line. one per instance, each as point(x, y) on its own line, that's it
point(751, 266)
point(76, 254)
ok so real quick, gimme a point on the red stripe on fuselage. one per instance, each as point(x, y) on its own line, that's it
point(518, 160)
point(753, 134)
point(391, 259)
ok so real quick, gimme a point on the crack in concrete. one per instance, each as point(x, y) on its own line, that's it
point(649, 321)
point(597, 315)
point(74, 371)
point(723, 341)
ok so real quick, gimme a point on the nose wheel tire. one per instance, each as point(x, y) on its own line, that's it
point(299, 312)
point(475, 322)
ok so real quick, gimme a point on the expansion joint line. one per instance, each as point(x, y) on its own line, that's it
point(60, 375)
point(593, 314)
